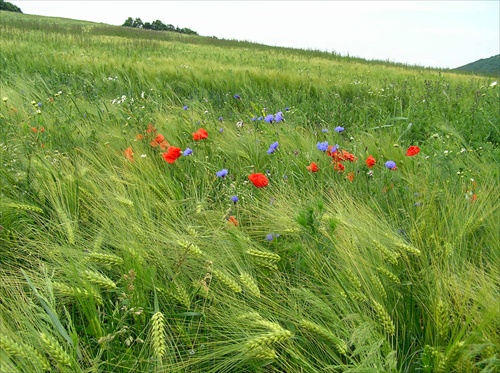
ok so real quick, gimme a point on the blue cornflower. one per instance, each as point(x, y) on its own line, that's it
point(323, 146)
point(271, 236)
point(221, 130)
point(324, 130)
point(390, 165)
point(185, 107)
point(254, 119)
point(278, 117)
point(269, 118)
point(222, 173)
point(334, 149)
point(220, 118)
point(187, 151)
point(272, 147)
point(40, 104)
point(237, 97)
point(287, 109)
point(339, 129)
point(234, 199)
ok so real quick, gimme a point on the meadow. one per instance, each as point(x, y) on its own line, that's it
point(176, 203)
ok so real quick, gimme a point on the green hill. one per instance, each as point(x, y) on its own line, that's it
point(175, 203)
point(486, 66)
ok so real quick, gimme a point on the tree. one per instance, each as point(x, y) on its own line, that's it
point(137, 23)
point(9, 7)
point(129, 22)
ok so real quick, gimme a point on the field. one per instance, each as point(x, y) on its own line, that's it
point(175, 203)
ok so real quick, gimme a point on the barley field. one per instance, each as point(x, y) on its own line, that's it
point(177, 203)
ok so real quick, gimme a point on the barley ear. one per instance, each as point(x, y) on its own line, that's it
point(158, 339)
point(55, 350)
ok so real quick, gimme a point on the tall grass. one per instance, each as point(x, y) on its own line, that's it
point(134, 265)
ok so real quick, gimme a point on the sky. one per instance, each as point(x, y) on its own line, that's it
point(443, 34)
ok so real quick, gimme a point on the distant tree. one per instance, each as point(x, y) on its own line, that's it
point(129, 22)
point(159, 25)
point(9, 7)
point(137, 23)
point(147, 26)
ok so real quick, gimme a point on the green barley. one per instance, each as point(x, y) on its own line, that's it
point(73, 291)
point(450, 358)
point(408, 249)
point(379, 286)
point(250, 284)
point(265, 353)
point(442, 319)
point(14, 348)
point(228, 281)
point(192, 248)
point(99, 280)
point(26, 207)
point(268, 339)
point(55, 350)
point(390, 275)
point(384, 318)
point(390, 256)
point(264, 255)
point(105, 259)
point(158, 336)
point(353, 278)
point(339, 344)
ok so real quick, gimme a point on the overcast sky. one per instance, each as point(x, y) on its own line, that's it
point(444, 34)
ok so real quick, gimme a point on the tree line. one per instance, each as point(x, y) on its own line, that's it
point(5, 5)
point(156, 26)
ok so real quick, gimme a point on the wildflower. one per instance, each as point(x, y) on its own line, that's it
point(188, 151)
point(269, 118)
point(171, 154)
point(412, 150)
point(222, 173)
point(233, 220)
point(221, 119)
point(239, 124)
point(139, 137)
point(331, 150)
point(221, 130)
point(151, 128)
point(287, 109)
point(313, 167)
point(258, 180)
point(493, 84)
point(272, 147)
point(234, 199)
point(350, 176)
point(34, 129)
point(254, 119)
point(391, 165)
point(339, 167)
point(324, 130)
point(237, 97)
point(160, 141)
point(278, 117)
point(39, 104)
point(370, 161)
point(271, 236)
point(42, 129)
point(323, 146)
point(201, 134)
point(339, 129)
point(129, 153)
point(185, 107)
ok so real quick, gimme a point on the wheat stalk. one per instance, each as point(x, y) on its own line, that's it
point(158, 335)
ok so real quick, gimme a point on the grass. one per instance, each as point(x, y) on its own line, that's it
point(131, 264)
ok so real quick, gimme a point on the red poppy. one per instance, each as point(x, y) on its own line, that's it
point(150, 128)
point(129, 153)
point(259, 180)
point(42, 129)
point(350, 176)
point(233, 220)
point(160, 141)
point(370, 161)
point(172, 153)
point(348, 156)
point(412, 150)
point(139, 137)
point(34, 129)
point(339, 167)
point(313, 167)
point(201, 134)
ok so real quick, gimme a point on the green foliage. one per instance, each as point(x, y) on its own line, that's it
point(487, 66)
point(114, 260)
point(156, 26)
point(9, 7)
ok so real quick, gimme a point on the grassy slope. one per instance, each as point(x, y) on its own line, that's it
point(394, 271)
point(487, 66)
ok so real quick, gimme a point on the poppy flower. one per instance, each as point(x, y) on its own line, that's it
point(172, 153)
point(34, 129)
point(412, 150)
point(201, 134)
point(233, 220)
point(313, 167)
point(391, 165)
point(150, 128)
point(259, 180)
point(346, 156)
point(332, 150)
point(139, 137)
point(350, 176)
point(160, 141)
point(129, 154)
point(339, 167)
point(370, 161)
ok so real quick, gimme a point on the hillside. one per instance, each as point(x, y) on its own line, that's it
point(486, 66)
point(175, 203)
